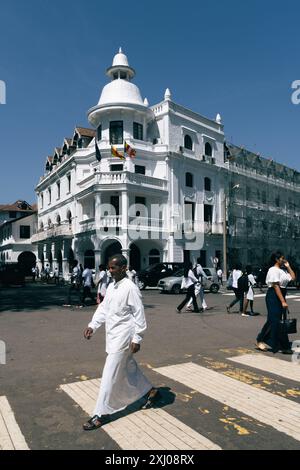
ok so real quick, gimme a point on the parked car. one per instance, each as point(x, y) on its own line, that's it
point(151, 275)
point(172, 284)
point(12, 274)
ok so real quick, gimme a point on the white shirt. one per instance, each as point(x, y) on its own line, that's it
point(189, 281)
point(220, 272)
point(279, 276)
point(103, 281)
point(122, 312)
point(87, 276)
point(235, 276)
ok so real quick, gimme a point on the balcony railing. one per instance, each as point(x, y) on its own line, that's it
point(190, 226)
point(57, 231)
point(126, 177)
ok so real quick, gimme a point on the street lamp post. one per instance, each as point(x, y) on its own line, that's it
point(236, 186)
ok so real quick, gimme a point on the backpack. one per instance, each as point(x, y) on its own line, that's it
point(243, 283)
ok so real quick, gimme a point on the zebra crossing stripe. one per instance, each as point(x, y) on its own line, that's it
point(152, 429)
point(288, 370)
point(280, 413)
point(11, 437)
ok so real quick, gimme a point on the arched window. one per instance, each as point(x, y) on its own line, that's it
point(207, 184)
point(41, 226)
point(188, 143)
point(189, 180)
point(58, 220)
point(154, 256)
point(208, 149)
point(49, 223)
point(69, 217)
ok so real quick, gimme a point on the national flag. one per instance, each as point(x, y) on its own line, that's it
point(98, 154)
point(129, 150)
point(115, 153)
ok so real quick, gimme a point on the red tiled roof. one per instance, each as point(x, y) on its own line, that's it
point(16, 207)
point(85, 131)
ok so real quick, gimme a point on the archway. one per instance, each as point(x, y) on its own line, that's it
point(71, 259)
point(135, 257)
point(113, 249)
point(89, 259)
point(26, 261)
point(59, 261)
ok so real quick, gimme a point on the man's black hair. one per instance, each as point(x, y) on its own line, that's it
point(120, 259)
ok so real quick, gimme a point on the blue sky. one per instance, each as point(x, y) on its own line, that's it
point(227, 56)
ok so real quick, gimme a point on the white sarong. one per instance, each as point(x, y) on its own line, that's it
point(122, 383)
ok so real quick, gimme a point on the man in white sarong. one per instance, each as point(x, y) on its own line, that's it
point(122, 381)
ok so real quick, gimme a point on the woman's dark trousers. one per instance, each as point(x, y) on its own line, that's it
point(190, 293)
point(239, 297)
point(271, 333)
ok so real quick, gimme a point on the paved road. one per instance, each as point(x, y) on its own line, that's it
point(217, 390)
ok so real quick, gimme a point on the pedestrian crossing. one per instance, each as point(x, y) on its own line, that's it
point(11, 437)
point(158, 428)
point(204, 387)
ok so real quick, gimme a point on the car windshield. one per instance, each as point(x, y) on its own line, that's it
point(152, 267)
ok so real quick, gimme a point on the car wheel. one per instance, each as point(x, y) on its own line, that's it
point(142, 285)
point(176, 289)
point(214, 288)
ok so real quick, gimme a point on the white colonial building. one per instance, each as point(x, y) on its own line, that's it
point(165, 204)
point(169, 202)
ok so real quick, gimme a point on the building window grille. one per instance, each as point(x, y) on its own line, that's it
point(208, 210)
point(99, 132)
point(189, 180)
point(207, 184)
point(116, 167)
point(24, 231)
point(116, 132)
point(208, 149)
point(188, 143)
point(137, 131)
point(141, 170)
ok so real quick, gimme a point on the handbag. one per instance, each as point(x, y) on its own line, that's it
point(288, 325)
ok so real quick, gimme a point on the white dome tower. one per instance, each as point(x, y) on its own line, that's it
point(120, 93)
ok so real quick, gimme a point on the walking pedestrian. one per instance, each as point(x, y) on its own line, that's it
point(239, 295)
point(33, 273)
point(188, 282)
point(220, 276)
point(249, 294)
point(102, 284)
point(131, 274)
point(277, 280)
point(56, 276)
point(88, 283)
point(47, 273)
point(122, 381)
point(199, 286)
point(75, 284)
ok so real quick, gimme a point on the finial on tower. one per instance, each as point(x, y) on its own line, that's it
point(167, 94)
point(218, 118)
point(146, 102)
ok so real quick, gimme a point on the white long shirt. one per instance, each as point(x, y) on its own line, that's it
point(236, 274)
point(189, 281)
point(122, 312)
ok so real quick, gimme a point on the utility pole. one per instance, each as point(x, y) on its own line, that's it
point(224, 238)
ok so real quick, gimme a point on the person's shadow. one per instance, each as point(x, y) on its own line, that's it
point(166, 397)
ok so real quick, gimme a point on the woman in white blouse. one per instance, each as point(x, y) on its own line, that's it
point(278, 277)
point(188, 282)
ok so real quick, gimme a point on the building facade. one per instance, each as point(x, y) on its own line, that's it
point(15, 242)
point(169, 202)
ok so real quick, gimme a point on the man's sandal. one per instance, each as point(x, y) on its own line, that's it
point(152, 397)
point(93, 423)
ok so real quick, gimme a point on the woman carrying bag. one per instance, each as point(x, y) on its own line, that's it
point(277, 280)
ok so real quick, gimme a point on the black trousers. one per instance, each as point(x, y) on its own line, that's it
point(271, 333)
point(190, 293)
point(239, 297)
point(87, 293)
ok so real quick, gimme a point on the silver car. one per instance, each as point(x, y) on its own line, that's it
point(172, 284)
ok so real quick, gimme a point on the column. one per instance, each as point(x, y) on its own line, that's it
point(97, 260)
point(97, 210)
point(124, 210)
point(126, 253)
point(54, 260)
point(65, 262)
